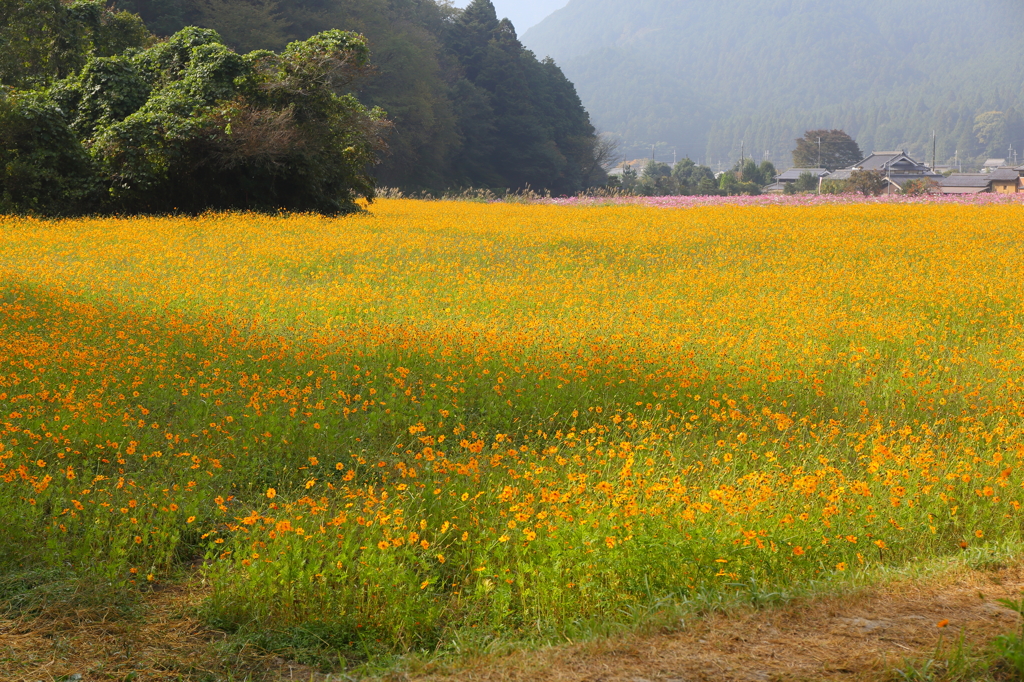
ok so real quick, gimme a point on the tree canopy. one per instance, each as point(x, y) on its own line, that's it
point(43, 40)
point(470, 105)
point(186, 124)
point(829, 149)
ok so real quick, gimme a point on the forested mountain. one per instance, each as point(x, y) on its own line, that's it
point(470, 106)
point(704, 77)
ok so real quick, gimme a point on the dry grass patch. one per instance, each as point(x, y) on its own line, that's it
point(869, 634)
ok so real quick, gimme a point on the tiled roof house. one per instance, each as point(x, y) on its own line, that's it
point(1001, 180)
point(897, 166)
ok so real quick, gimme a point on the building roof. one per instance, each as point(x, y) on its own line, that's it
point(967, 180)
point(1004, 174)
point(795, 173)
point(879, 160)
point(994, 163)
point(963, 190)
point(774, 187)
point(893, 162)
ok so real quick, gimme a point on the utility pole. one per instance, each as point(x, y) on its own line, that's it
point(652, 152)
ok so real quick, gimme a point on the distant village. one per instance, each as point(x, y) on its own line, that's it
point(899, 170)
point(898, 173)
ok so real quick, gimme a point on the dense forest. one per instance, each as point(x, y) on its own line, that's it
point(705, 77)
point(470, 105)
point(260, 106)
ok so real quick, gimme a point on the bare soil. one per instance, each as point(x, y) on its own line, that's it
point(859, 636)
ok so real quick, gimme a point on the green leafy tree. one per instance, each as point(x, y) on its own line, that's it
point(729, 183)
point(867, 182)
point(921, 187)
point(834, 186)
point(768, 172)
point(629, 179)
point(43, 40)
point(749, 172)
point(530, 128)
point(657, 180)
point(43, 166)
point(694, 179)
point(838, 150)
point(807, 182)
point(706, 186)
point(470, 105)
point(990, 129)
point(189, 124)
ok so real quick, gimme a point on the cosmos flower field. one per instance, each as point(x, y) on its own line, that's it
point(392, 427)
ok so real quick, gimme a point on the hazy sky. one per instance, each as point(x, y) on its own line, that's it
point(523, 13)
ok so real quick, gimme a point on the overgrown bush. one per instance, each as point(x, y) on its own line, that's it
point(189, 125)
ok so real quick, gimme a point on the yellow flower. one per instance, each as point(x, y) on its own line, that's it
point(271, 493)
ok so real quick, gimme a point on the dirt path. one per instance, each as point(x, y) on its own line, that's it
point(850, 637)
point(841, 638)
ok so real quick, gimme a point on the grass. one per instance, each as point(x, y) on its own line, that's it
point(439, 427)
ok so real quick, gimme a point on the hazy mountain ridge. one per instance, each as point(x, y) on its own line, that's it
point(762, 73)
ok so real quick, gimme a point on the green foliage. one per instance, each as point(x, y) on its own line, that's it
point(835, 150)
point(834, 186)
point(42, 40)
point(807, 182)
point(731, 185)
point(760, 175)
point(1011, 645)
point(43, 166)
point(660, 179)
point(470, 106)
point(867, 182)
point(190, 125)
point(920, 187)
point(538, 134)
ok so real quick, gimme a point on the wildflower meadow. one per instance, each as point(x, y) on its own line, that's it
point(433, 418)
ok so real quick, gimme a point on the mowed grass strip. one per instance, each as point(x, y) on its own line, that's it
point(437, 420)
